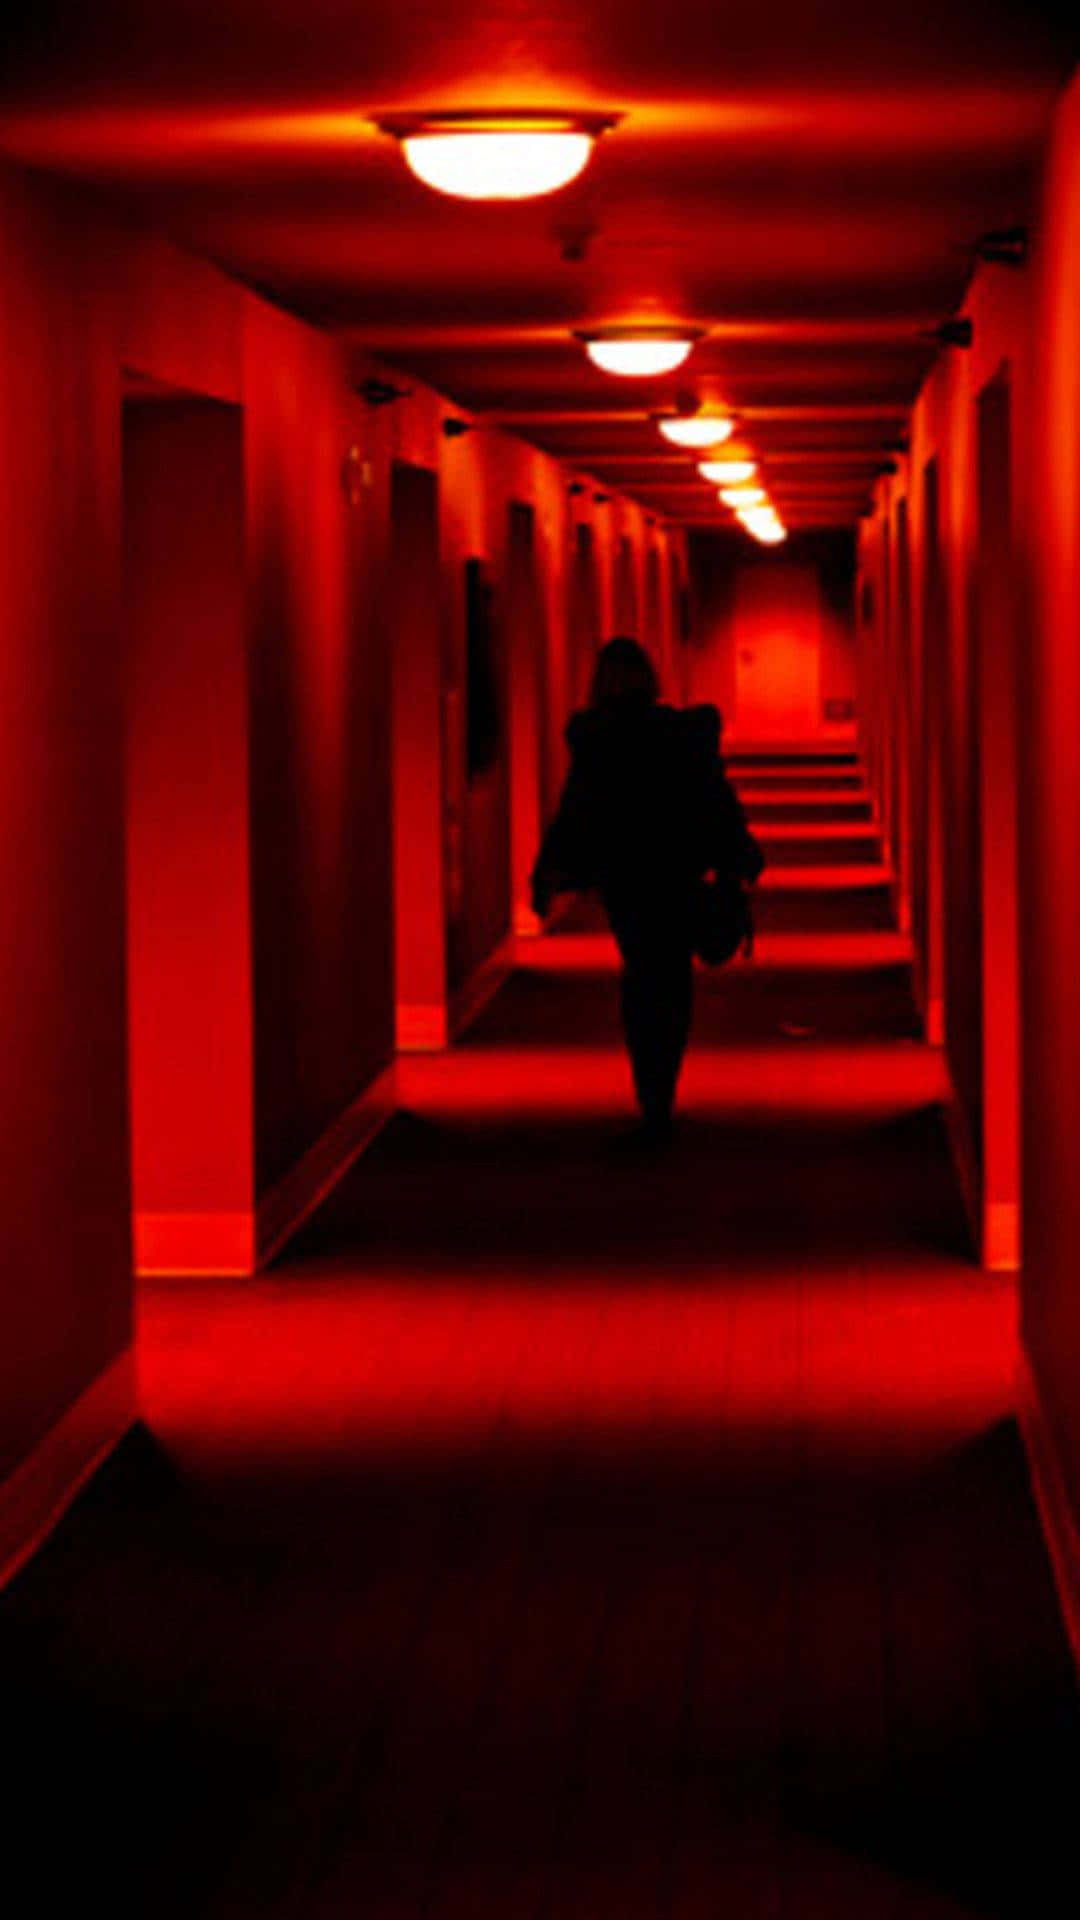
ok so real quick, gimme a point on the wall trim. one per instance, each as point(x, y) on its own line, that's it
point(1059, 1523)
point(172, 1244)
point(1001, 1236)
point(283, 1209)
point(482, 985)
point(36, 1495)
point(422, 1029)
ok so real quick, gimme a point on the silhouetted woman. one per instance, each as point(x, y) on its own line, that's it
point(645, 812)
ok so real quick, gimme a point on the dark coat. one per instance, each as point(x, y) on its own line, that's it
point(646, 809)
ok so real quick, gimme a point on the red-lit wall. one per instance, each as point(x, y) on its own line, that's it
point(1050, 812)
point(319, 752)
point(65, 1294)
point(93, 309)
point(941, 648)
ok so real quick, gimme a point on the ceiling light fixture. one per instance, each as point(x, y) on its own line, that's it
point(486, 155)
point(738, 497)
point(696, 430)
point(727, 473)
point(636, 352)
point(765, 525)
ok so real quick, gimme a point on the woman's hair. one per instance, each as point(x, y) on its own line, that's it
point(623, 671)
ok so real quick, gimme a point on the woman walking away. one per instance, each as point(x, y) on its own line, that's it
point(645, 813)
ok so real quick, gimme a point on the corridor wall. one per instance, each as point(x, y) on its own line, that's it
point(939, 702)
point(66, 1380)
point(1050, 839)
point(94, 307)
point(983, 823)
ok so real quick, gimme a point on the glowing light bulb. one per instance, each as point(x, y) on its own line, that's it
point(727, 473)
point(744, 497)
point(764, 524)
point(637, 352)
point(497, 156)
point(698, 430)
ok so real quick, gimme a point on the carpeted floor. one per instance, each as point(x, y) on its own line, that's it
point(569, 1530)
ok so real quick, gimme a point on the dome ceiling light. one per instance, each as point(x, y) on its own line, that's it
point(737, 497)
point(727, 473)
point(636, 352)
point(491, 155)
point(765, 525)
point(696, 430)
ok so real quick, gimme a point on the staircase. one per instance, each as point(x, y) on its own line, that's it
point(812, 815)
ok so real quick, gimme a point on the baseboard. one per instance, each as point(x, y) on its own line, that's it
point(283, 1210)
point(1059, 1525)
point(1001, 1236)
point(527, 924)
point(481, 986)
point(171, 1244)
point(35, 1497)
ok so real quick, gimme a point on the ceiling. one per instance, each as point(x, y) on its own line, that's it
point(806, 181)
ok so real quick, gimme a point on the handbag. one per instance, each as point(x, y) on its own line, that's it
point(723, 920)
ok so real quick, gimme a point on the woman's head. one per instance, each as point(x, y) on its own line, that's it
point(623, 671)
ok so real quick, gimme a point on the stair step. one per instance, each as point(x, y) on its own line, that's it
point(808, 779)
point(802, 843)
point(825, 900)
point(800, 805)
point(829, 878)
point(747, 747)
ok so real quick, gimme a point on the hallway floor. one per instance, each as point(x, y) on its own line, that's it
point(564, 1529)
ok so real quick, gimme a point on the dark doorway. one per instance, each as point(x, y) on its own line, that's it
point(188, 890)
point(423, 858)
point(584, 614)
point(528, 728)
point(995, 630)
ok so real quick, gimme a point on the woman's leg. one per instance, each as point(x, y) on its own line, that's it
point(656, 994)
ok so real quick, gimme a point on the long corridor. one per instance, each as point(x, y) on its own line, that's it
point(565, 1529)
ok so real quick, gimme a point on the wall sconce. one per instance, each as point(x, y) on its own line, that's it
point(951, 333)
point(575, 487)
point(381, 393)
point(1003, 246)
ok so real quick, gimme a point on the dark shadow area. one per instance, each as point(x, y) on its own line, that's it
point(558, 1678)
point(740, 1005)
point(566, 1190)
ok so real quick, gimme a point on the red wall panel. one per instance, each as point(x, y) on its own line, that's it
point(319, 772)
